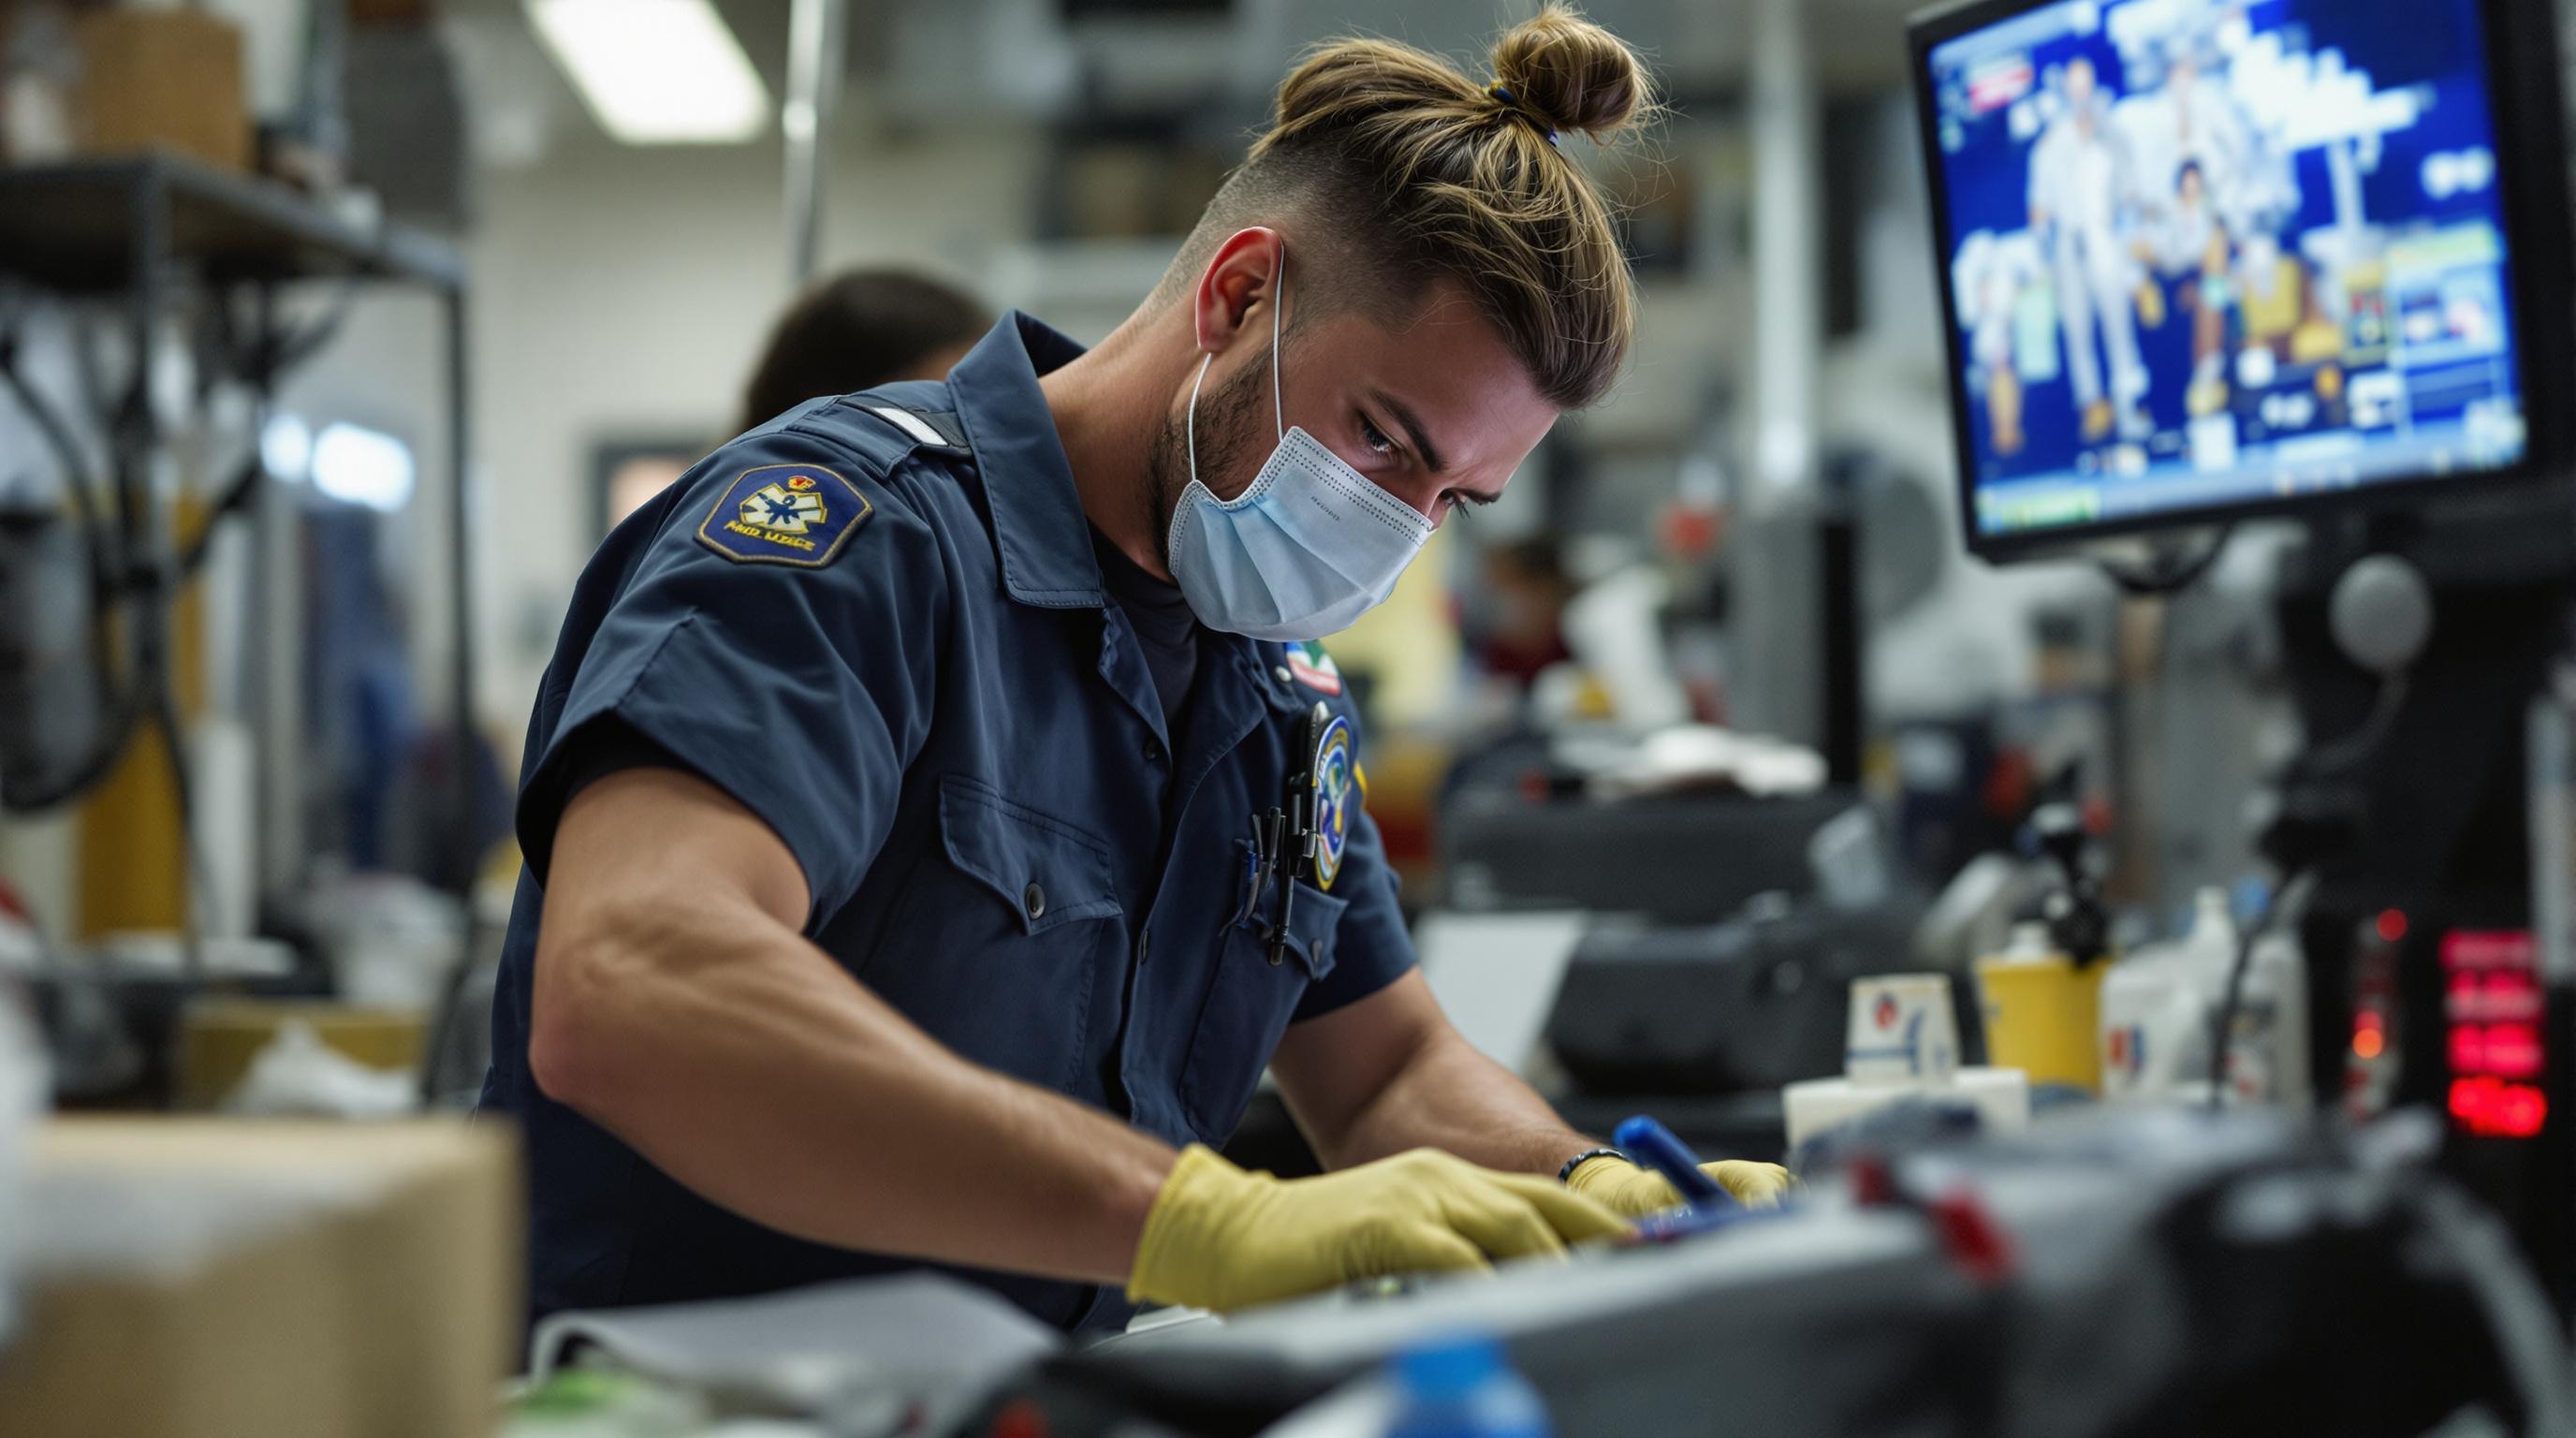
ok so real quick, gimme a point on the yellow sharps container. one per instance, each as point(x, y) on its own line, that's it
point(2042, 1011)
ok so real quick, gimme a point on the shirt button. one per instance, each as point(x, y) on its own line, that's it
point(1153, 750)
point(1315, 953)
point(1144, 945)
point(1281, 674)
point(1034, 898)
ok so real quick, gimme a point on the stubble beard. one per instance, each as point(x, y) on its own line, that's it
point(1229, 418)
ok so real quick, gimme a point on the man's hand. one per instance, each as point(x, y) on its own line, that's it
point(1624, 1188)
point(1221, 1238)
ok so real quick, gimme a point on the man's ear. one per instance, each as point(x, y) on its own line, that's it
point(1236, 286)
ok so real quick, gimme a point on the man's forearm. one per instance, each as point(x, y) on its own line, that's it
point(1449, 1096)
point(746, 1064)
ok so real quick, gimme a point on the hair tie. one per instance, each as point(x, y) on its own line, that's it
point(1502, 94)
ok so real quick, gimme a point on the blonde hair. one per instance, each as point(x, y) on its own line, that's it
point(1403, 171)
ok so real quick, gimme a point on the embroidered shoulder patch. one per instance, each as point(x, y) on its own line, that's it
point(793, 514)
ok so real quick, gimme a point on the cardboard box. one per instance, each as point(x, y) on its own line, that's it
point(162, 79)
point(204, 1278)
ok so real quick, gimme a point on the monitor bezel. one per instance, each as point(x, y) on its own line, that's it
point(2522, 56)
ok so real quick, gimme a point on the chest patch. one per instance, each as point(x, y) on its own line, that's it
point(1336, 771)
point(1314, 668)
point(792, 514)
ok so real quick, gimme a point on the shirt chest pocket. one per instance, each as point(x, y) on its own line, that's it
point(1002, 936)
point(1253, 996)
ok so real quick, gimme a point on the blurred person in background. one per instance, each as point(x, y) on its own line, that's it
point(889, 901)
point(860, 329)
point(1521, 628)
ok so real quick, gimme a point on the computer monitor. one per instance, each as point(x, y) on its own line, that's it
point(2204, 259)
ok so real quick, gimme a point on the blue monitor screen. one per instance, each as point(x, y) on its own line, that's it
point(2211, 253)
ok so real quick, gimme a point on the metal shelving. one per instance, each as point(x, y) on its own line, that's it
point(149, 229)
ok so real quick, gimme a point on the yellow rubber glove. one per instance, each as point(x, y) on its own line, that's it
point(1218, 1237)
point(1625, 1188)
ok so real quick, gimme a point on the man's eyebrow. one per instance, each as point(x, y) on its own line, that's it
point(1411, 424)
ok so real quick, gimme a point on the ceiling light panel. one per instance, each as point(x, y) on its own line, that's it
point(656, 72)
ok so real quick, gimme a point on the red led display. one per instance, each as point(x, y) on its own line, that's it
point(2492, 999)
point(2492, 1108)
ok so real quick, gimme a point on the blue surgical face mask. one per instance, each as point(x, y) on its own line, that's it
point(1303, 552)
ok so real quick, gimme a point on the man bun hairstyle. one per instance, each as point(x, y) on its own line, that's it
point(1394, 169)
point(1571, 73)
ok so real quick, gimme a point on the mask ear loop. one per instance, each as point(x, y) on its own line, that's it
point(1278, 287)
point(1278, 408)
point(1190, 426)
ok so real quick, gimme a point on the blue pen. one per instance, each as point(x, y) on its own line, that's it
point(1653, 1145)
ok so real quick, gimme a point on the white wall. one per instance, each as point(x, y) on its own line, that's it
point(620, 291)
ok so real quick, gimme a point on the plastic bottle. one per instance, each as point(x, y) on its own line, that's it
point(2267, 1054)
point(1463, 1388)
point(2157, 1007)
point(25, 1092)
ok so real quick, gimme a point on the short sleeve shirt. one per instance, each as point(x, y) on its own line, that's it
point(878, 623)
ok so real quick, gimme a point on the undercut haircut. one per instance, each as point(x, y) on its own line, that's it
point(1396, 171)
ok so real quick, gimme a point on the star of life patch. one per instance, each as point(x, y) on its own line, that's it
point(793, 514)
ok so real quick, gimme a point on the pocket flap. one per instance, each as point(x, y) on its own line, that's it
point(1047, 870)
point(1312, 927)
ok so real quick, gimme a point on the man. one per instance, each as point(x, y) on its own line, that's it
point(904, 887)
point(2078, 178)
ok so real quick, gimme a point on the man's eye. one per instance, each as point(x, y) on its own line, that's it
point(1375, 438)
point(1457, 502)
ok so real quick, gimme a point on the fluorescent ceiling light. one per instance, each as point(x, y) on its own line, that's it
point(362, 466)
point(656, 72)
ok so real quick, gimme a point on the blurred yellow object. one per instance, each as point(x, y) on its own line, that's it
point(1592, 699)
point(2315, 342)
point(2097, 421)
point(2042, 1017)
point(220, 1037)
point(2274, 304)
point(133, 874)
point(133, 867)
point(1408, 648)
point(202, 1278)
point(2151, 305)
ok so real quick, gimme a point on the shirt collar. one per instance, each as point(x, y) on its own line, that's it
point(1039, 530)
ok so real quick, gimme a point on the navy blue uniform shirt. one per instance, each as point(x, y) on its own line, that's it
point(897, 651)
